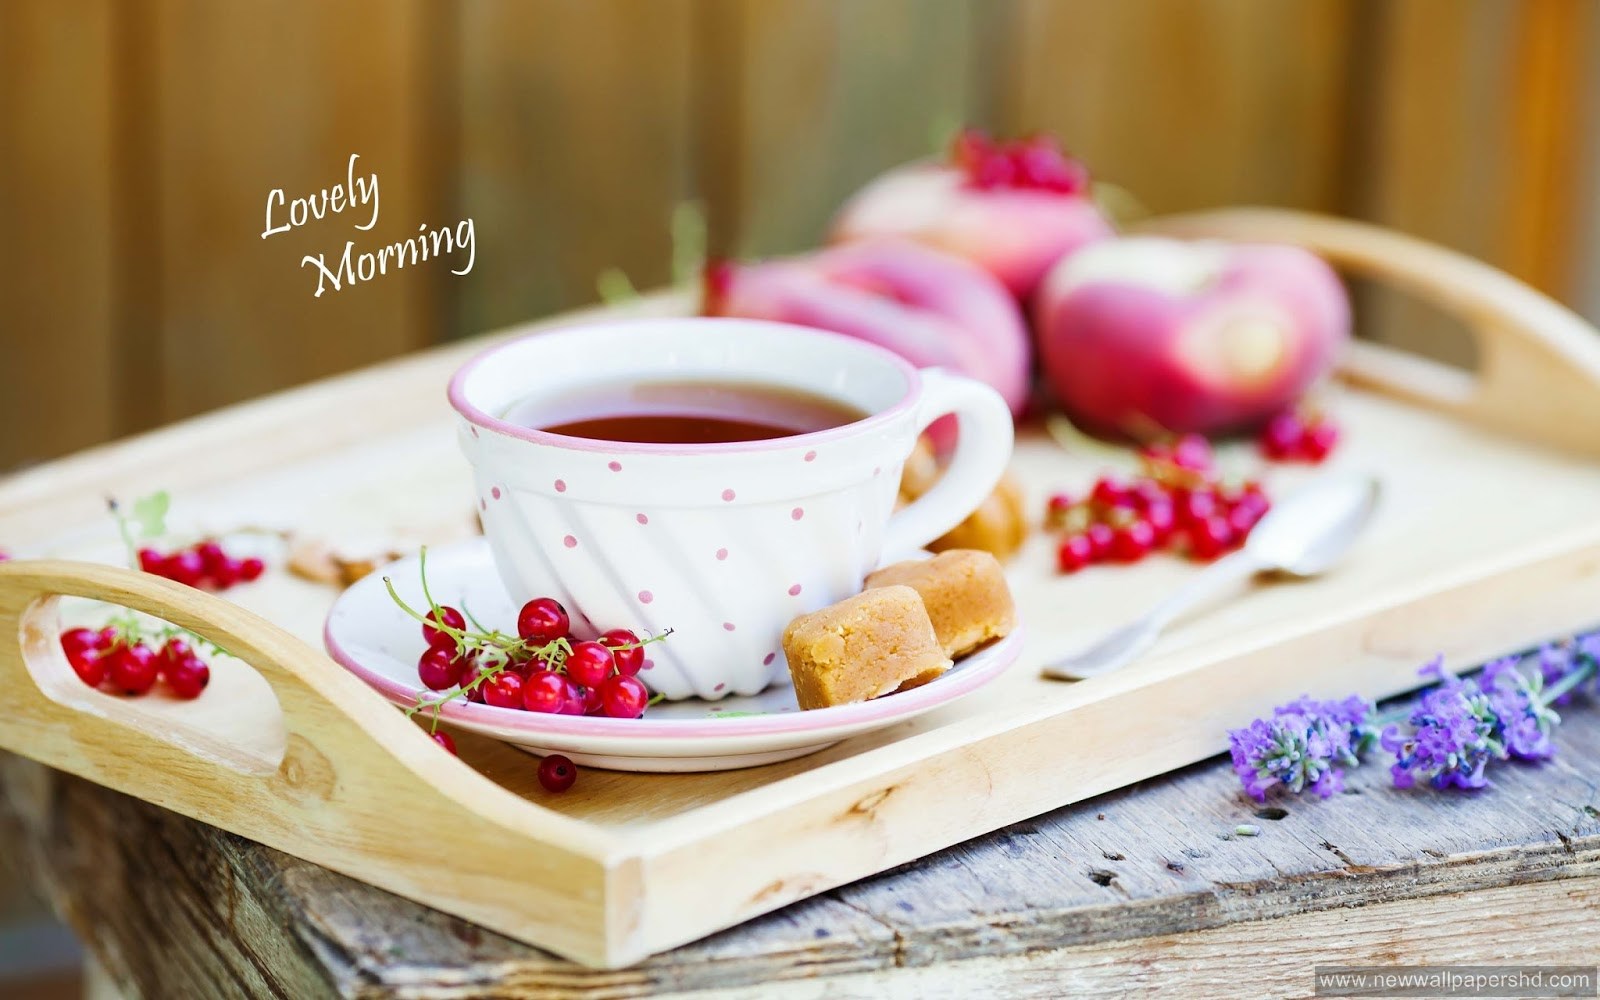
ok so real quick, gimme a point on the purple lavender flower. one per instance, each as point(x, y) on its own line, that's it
point(1301, 746)
point(1456, 735)
point(1586, 653)
point(1524, 716)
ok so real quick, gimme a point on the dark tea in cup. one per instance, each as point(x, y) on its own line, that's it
point(682, 412)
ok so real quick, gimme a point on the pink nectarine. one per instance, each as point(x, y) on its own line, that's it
point(929, 307)
point(1150, 333)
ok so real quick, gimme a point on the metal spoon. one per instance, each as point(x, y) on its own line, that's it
point(1302, 535)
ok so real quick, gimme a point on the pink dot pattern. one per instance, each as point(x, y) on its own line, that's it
point(645, 597)
point(570, 542)
point(614, 466)
point(719, 687)
point(722, 554)
point(641, 519)
point(728, 495)
point(766, 661)
point(648, 664)
point(727, 626)
point(561, 486)
point(797, 513)
point(794, 591)
point(811, 456)
point(495, 492)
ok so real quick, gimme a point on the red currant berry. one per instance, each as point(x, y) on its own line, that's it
point(1241, 520)
point(173, 653)
point(624, 697)
point(1133, 541)
point(448, 617)
point(993, 171)
point(1194, 506)
point(592, 705)
point(589, 663)
point(1319, 441)
point(250, 569)
point(574, 700)
point(1074, 553)
point(151, 561)
point(503, 690)
point(75, 641)
point(469, 672)
point(226, 574)
point(184, 567)
point(1192, 452)
point(188, 678)
point(1162, 519)
point(438, 668)
point(557, 773)
point(542, 621)
point(107, 639)
point(1209, 538)
point(544, 691)
point(89, 665)
point(625, 649)
point(1146, 492)
point(212, 558)
point(1108, 493)
point(1099, 536)
point(1280, 439)
point(132, 669)
point(443, 738)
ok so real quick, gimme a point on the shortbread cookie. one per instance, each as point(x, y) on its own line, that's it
point(964, 592)
point(863, 647)
point(999, 525)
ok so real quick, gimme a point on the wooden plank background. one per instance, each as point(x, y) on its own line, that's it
point(138, 142)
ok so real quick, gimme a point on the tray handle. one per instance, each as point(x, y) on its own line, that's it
point(339, 751)
point(1539, 370)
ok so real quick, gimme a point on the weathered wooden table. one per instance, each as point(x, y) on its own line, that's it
point(1147, 887)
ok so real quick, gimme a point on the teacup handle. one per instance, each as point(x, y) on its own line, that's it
point(983, 448)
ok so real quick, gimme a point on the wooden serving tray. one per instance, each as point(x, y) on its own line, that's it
point(1488, 539)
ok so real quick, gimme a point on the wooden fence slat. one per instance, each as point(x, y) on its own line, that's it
point(806, 100)
point(56, 294)
point(253, 97)
point(574, 148)
point(1188, 105)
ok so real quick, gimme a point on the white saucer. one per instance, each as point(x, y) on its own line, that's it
point(377, 641)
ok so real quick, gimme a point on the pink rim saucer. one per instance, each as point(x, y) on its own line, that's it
point(371, 636)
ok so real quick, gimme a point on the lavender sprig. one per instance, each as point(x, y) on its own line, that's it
point(1450, 736)
point(1305, 744)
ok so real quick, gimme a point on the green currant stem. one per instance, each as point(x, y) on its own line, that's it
point(127, 536)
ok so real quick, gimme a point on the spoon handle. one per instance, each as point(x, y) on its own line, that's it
point(1128, 642)
point(1219, 576)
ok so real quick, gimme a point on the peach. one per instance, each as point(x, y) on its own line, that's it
point(929, 307)
point(1150, 333)
point(1013, 209)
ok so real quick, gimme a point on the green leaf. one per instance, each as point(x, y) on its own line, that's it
point(150, 514)
point(614, 287)
point(688, 242)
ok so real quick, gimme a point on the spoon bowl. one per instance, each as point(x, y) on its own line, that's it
point(1309, 531)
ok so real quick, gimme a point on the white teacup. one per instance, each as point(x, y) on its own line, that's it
point(723, 543)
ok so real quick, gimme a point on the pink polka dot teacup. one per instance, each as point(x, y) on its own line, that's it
point(713, 476)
